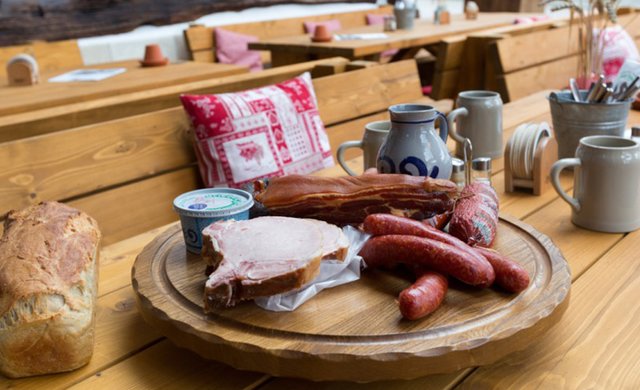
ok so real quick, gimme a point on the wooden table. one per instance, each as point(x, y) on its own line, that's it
point(17, 99)
point(300, 48)
point(595, 344)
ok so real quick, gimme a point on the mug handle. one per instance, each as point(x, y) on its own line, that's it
point(340, 154)
point(444, 126)
point(452, 128)
point(557, 167)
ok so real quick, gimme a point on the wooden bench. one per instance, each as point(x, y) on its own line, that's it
point(515, 73)
point(127, 171)
point(51, 56)
point(100, 110)
point(461, 60)
point(201, 40)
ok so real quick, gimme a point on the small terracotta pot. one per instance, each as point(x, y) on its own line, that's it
point(153, 56)
point(322, 34)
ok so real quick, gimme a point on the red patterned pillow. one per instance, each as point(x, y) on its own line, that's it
point(263, 132)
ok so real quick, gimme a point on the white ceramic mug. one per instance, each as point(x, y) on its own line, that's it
point(606, 184)
point(479, 118)
point(374, 135)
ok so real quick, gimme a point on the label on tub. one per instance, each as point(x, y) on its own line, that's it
point(212, 202)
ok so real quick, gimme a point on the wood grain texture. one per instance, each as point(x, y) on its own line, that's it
point(100, 110)
point(134, 208)
point(334, 337)
point(423, 33)
point(594, 345)
point(69, 163)
point(358, 93)
point(162, 365)
point(136, 78)
point(551, 75)
point(549, 45)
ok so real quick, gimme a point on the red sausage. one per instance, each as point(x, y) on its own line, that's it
point(510, 275)
point(441, 257)
point(383, 224)
point(424, 296)
point(438, 221)
point(475, 216)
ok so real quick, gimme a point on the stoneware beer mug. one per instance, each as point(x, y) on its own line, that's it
point(374, 135)
point(479, 118)
point(606, 184)
point(412, 146)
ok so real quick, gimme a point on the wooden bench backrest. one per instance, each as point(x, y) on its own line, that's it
point(101, 110)
point(466, 51)
point(520, 72)
point(201, 40)
point(126, 172)
point(51, 56)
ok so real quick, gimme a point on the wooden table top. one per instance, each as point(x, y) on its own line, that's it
point(17, 99)
point(593, 346)
point(425, 32)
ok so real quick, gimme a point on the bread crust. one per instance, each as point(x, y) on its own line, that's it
point(48, 288)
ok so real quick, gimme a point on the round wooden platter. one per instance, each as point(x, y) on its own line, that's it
point(355, 331)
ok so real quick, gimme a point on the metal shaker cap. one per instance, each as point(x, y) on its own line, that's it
point(457, 165)
point(481, 164)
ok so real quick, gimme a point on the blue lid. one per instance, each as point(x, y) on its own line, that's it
point(213, 202)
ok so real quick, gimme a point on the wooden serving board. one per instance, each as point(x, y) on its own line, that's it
point(355, 331)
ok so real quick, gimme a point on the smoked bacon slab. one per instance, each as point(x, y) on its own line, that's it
point(348, 200)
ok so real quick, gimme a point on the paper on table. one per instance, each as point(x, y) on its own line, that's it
point(348, 37)
point(87, 75)
point(332, 273)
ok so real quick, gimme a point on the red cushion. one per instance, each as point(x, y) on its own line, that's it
point(332, 25)
point(231, 48)
point(375, 19)
point(263, 132)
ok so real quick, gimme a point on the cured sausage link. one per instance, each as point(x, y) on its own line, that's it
point(384, 224)
point(447, 259)
point(424, 296)
point(510, 275)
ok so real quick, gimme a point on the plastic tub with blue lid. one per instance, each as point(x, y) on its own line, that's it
point(200, 208)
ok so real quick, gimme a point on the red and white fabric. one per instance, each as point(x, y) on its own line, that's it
point(259, 133)
point(617, 47)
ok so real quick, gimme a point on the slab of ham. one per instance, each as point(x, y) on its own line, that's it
point(348, 200)
point(265, 256)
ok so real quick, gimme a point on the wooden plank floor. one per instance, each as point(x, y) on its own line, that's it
point(595, 344)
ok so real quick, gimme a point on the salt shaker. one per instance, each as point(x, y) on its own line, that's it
point(481, 170)
point(457, 172)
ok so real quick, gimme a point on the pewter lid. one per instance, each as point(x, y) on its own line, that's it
point(457, 165)
point(481, 164)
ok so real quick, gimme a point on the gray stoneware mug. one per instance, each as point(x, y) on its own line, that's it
point(479, 118)
point(374, 135)
point(606, 184)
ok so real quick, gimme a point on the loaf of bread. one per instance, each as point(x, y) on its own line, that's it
point(48, 287)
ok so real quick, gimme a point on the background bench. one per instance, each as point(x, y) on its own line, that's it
point(100, 110)
point(201, 40)
point(126, 172)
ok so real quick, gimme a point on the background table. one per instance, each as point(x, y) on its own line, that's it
point(300, 48)
point(595, 344)
point(17, 99)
